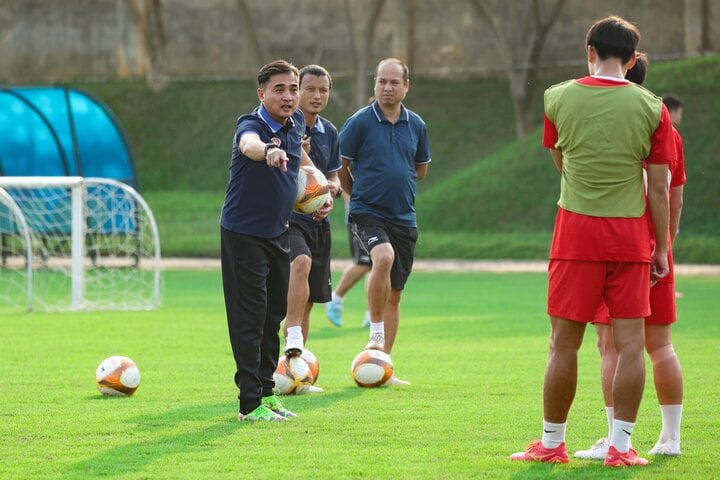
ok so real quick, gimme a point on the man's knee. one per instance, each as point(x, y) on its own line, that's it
point(383, 257)
point(661, 354)
point(301, 265)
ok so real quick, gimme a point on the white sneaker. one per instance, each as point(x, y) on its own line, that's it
point(307, 389)
point(366, 320)
point(293, 347)
point(377, 342)
point(598, 451)
point(670, 448)
point(396, 381)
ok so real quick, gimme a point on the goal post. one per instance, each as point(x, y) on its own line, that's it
point(91, 244)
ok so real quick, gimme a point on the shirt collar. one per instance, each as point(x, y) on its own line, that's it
point(318, 127)
point(404, 115)
point(271, 122)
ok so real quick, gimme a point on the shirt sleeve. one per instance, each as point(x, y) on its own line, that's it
point(662, 146)
point(350, 138)
point(335, 162)
point(678, 167)
point(422, 155)
point(550, 134)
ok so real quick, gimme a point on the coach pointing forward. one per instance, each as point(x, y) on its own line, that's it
point(385, 151)
point(266, 156)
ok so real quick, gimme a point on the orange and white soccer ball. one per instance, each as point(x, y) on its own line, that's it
point(312, 190)
point(312, 362)
point(291, 375)
point(117, 376)
point(371, 368)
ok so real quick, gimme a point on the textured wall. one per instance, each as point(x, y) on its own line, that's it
point(53, 40)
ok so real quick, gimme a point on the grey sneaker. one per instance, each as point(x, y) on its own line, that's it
point(377, 342)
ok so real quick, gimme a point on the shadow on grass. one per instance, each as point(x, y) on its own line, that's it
point(132, 457)
point(579, 469)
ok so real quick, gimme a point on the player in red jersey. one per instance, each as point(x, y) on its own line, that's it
point(599, 129)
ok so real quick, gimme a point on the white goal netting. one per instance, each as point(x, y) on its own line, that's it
point(71, 243)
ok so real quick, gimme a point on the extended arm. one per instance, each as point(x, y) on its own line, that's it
point(345, 175)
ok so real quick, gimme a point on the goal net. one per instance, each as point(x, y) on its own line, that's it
point(72, 243)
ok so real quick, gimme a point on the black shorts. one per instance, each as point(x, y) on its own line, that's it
point(313, 240)
point(359, 254)
point(372, 231)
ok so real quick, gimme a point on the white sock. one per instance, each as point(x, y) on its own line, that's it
point(610, 412)
point(621, 432)
point(553, 434)
point(671, 416)
point(377, 327)
point(336, 298)
point(294, 332)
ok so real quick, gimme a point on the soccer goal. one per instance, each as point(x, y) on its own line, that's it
point(73, 243)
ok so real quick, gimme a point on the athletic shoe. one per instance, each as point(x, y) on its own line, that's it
point(273, 403)
point(366, 320)
point(396, 381)
point(293, 347)
point(537, 453)
point(334, 313)
point(598, 451)
point(670, 448)
point(627, 459)
point(303, 389)
point(261, 414)
point(377, 342)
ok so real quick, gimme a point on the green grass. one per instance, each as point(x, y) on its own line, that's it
point(473, 345)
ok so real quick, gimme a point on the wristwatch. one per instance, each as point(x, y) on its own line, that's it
point(268, 146)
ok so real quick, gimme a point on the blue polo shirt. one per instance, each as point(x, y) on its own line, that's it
point(324, 153)
point(259, 198)
point(383, 158)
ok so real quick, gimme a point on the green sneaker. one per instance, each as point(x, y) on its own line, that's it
point(273, 403)
point(261, 414)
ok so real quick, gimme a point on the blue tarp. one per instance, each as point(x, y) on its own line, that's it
point(60, 131)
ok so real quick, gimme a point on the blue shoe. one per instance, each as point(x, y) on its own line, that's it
point(366, 320)
point(334, 313)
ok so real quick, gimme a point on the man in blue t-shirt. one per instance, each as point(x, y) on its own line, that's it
point(266, 155)
point(385, 151)
point(309, 236)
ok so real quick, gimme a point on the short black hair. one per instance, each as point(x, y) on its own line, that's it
point(273, 68)
point(638, 72)
point(613, 37)
point(672, 102)
point(316, 70)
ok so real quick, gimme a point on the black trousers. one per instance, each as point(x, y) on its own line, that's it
point(255, 273)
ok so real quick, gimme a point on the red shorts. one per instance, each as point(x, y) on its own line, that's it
point(662, 306)
point(576, 288)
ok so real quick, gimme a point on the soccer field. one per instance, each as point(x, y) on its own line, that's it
point(474, 346)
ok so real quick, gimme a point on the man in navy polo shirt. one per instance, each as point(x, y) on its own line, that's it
point(385, 151)
point(309, 236)
point(266, 156)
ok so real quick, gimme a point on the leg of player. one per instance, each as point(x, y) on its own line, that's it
point(667, 375)
point(392, 321)
point(629, 338)
point(558, 392)
point(298, 294)
point(378, 292)
point(608, 364)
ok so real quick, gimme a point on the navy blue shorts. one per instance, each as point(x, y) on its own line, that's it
point(372, 231)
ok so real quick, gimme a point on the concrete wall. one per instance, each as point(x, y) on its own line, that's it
point(62, 40)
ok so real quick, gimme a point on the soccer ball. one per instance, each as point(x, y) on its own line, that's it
point(117, 376)
point(312, 190)
point(371, 368)
point(291, 375)
point(312, 362)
